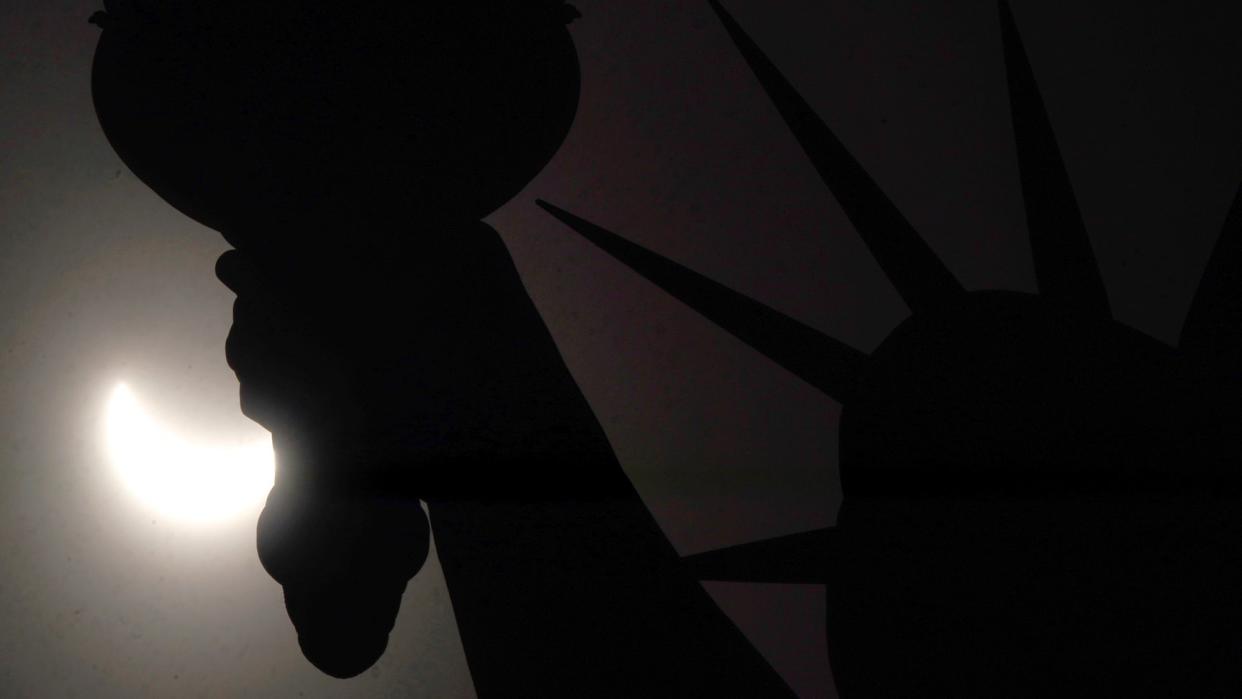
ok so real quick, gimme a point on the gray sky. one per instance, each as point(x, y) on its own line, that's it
point(675, 147)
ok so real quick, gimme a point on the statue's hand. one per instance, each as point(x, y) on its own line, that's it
point(342, 549)
point(343, 563)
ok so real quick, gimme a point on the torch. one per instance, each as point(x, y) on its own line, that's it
point(347, 152)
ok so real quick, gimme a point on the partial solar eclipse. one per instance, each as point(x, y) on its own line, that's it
point(178, 477)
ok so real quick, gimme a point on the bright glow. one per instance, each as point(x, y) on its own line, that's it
point(198, 483)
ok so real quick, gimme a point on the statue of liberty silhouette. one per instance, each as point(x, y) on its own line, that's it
point(1038, 500)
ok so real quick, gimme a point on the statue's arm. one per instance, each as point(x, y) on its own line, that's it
point(562, 582)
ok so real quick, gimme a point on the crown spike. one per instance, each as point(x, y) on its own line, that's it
point(794, 559)
point(913, 268)
point(1065, 266)
point(828, 364)
point(1212, 332)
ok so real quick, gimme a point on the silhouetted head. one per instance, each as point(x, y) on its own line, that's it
point(1038, 499)
point(1001, 391)
point(244, 113)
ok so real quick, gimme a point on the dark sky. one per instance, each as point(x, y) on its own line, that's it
point(675, 147)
